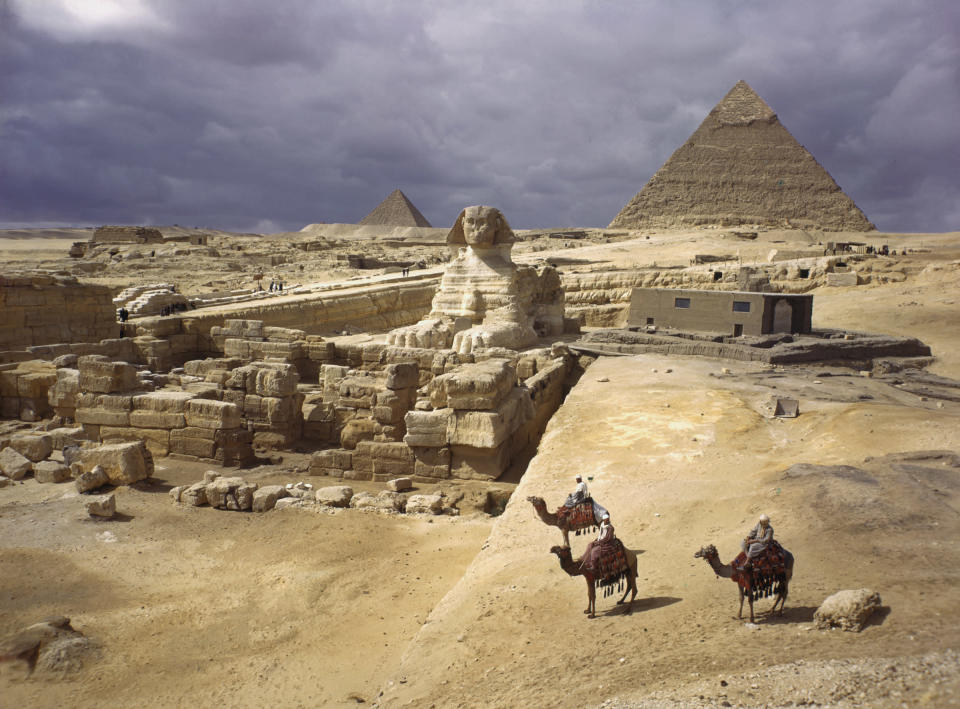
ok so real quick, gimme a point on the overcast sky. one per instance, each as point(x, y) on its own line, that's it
point(266, 116)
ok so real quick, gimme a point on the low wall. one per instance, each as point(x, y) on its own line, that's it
point(38, 309)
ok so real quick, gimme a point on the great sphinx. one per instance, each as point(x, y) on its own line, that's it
point(485, 299)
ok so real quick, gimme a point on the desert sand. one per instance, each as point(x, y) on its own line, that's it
point(303, 608)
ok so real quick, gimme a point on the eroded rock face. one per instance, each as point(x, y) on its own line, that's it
point(849, 610)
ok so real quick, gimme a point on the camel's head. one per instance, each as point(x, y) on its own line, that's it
point(536, 501)
point(560, 551)
point(708, 552)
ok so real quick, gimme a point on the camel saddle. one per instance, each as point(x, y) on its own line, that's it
point(607, 562)
point(769, 570)
point(577, 517)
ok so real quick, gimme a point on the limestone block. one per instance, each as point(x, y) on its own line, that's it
point(402, 375)
point(168, 402)
point(265, 379)
point(281, 410)
point(265, 498)
point(334, 496)
point(849, 610)
point(10, 407)
point(358, 473)
point(50, 471)
point(184, 444)
point(208, 413)
point(32, 446)
point(101, 505)
point(124, 463)
point(427, 428)
point(332, 458)
point(842, 279)
point(63, 394)
point(98, 374)
point(195, 495)
point(470, 463)
point(113, 402)
point(157, 419)
point(357, 430)
point(157, 440)
point(385, 450)
point(399, 484)
point(102, 417)
point(359, 392)
point(384, 470)
point(91, 479)
point(321, 351)
point(66, 436)
point(478, 386)
point(8, 383)
point(35, 385)
point(385, 501)
point(13, 465)
point(231, 493)
point(176, 491)
point(489, 429)
point(424, 504)
point(431, 462)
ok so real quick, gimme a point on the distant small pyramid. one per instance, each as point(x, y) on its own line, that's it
point(395, 210)
point(742, 166)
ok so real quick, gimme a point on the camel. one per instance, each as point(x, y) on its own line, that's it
point(747, 584)
point(572, 567)
point(553, 520)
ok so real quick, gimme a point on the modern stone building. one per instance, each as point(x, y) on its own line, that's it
point(732, 312)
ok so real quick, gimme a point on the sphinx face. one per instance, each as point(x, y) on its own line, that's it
point(480, 225)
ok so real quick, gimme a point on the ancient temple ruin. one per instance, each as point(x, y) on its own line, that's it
point(742, 166)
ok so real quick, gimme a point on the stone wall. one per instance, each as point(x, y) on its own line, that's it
point(40, 309)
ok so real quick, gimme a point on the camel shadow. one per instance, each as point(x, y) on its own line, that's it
point(641, 605)
point(791, 614)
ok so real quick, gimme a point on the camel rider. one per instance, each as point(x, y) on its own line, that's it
point(757, 541)
point(606, 530)
point(581, 494)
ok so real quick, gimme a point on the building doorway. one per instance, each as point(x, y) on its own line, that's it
point(782, 316)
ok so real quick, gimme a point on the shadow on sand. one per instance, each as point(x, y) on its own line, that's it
point(640, 605)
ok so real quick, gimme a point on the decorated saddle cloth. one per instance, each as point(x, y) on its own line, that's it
point(607, 563)
point(578, 517)
point(768, 570)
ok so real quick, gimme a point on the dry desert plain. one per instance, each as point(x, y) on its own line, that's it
point(194, 606)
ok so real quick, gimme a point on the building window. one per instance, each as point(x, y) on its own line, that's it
point(681, 302)
point(718, 275)
point(804, 273)
point(741, 306)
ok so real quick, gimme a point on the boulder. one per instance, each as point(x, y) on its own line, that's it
point(124, 463)
point(101, 505)
point(424, 504)
point(265, 498)
point(233, 493)
point(52, 647)
point(33, 446)
point(335, 495)
point(402, 375)
point(91, 479)
point(399, 484)
point(848, 610)
point(13, 465)
point(195, 495)
point(50, 471)
point(481, 386)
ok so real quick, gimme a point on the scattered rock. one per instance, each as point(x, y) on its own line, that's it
point(92, 479)
point(101, 505)
point(33, 446)
point(51, 646)
point(265, 498)
point(400, 484)
point(50, 471)
point(424, 504)
point(335, 496)
point(124, 463)
point(13, 465)
point(233, 493)
point(195, 495)
point(848, 610)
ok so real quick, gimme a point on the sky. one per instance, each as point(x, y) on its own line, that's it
point(247, 115)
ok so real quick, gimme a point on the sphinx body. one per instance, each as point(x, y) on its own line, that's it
point(485, 299)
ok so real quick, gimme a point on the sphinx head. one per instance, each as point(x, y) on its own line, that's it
point(481, 226)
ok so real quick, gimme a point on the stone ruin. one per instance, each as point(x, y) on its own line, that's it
point(451, 397)
point(485, 299)
point(126, 235)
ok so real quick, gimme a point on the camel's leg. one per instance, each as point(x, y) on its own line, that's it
point(591, 599)
point(566, 536)
point(631, 586)
point(751, 606)
point(740, 612)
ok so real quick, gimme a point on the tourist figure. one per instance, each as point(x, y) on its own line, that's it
point(758, 539)
point(604, 543)
point(581, 495)
point(123, 313)
point(280, 286)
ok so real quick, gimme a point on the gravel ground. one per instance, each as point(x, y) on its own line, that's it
point(930, 681)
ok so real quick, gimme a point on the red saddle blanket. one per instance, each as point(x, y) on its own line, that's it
point(771, 562)
point(606, 562)
point(577, 517)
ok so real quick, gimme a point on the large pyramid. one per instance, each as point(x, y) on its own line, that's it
point(741, 166)
point(395, 210)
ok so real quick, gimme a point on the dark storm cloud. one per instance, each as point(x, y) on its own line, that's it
point(249, 115)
